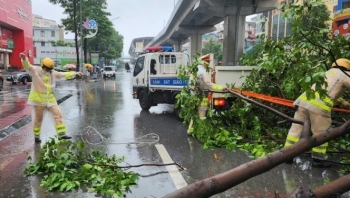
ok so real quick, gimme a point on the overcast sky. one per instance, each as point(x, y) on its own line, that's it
point(137, 18)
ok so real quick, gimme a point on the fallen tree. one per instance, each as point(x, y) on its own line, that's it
point(224, 181)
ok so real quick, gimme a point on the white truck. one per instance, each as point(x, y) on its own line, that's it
point(156, 82)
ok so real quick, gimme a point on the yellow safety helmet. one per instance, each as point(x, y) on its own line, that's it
point(47, 62)
point(342, 62)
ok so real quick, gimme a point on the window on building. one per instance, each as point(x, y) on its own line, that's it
point(346, 4)
point(33, 33)
point(282, 25)
point(331, 1)
point(283, 3)
point(53, 33)
point(275, 27)
point(291, 1)
point(288, 27)
point(42, 43)
point(42, 33)
point(334, 9)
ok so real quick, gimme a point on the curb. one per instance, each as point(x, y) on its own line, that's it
point(23, 121)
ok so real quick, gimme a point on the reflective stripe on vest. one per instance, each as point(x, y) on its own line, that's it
point(41, 97)
point(47, 83)
point(325, 103)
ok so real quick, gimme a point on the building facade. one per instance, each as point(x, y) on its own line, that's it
point(46, 32)
point(341, 21)
point(279, 27)
point(16, 31)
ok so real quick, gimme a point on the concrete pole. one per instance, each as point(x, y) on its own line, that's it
point(195, 44)
point(233, 39)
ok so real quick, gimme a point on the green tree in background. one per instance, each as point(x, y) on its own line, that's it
point(213, 47)
point(62, 43)
point(108, 42)
point(292, 64)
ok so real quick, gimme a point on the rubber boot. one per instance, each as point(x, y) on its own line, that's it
point(318, 163)
point(37, 139)
point(63, 136)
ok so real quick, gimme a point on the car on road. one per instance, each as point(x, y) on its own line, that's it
point(1, 81)
point(19, 76)
point(108, 72)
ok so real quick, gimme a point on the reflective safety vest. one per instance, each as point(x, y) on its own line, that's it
point(43, 84)
point(325, 103)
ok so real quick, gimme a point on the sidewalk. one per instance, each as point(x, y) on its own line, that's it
point(17, 120)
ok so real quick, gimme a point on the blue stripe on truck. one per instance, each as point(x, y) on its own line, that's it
point(168, 81)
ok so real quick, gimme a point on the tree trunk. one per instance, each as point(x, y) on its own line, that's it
point(76, 34)
point(231, 178)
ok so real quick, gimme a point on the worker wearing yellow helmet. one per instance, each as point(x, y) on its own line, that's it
point(42, 97)
point(318, 110)
point(204, 82)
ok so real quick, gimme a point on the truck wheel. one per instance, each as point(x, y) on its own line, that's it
point(24, 81)
point(144, 100)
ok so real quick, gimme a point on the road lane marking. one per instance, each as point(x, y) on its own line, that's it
point(174, 172)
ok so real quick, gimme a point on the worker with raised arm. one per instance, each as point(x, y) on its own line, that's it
point(318, 110)
point(42, 97)
point(203, 79)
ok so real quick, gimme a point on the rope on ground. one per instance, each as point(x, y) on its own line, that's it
point(148, 139)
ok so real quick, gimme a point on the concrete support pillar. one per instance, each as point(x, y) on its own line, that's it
point(6, 60)
point(178, 45)
point(234, 27)
point(195, 44)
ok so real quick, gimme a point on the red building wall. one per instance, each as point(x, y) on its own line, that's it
point(16, 17)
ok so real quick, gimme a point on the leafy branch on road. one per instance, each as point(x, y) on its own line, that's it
point(66, 165)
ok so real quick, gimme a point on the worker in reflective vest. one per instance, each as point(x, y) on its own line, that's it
point(41, 95)
point(318, 110)
point(203, 79)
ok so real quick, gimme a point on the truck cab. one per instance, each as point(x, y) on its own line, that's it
point(155, 78)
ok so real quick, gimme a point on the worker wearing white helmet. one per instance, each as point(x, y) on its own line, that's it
point(42, 97)
point(318, 110)
point(204, 82)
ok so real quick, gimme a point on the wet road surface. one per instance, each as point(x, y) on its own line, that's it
point(106, 108)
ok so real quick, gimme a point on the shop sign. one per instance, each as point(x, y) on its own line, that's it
point(5, 50)
point(5, 35)
point(22, 14)
point(10, 43)
point(94, 58)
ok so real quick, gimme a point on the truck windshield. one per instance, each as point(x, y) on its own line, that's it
point(108, 69)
